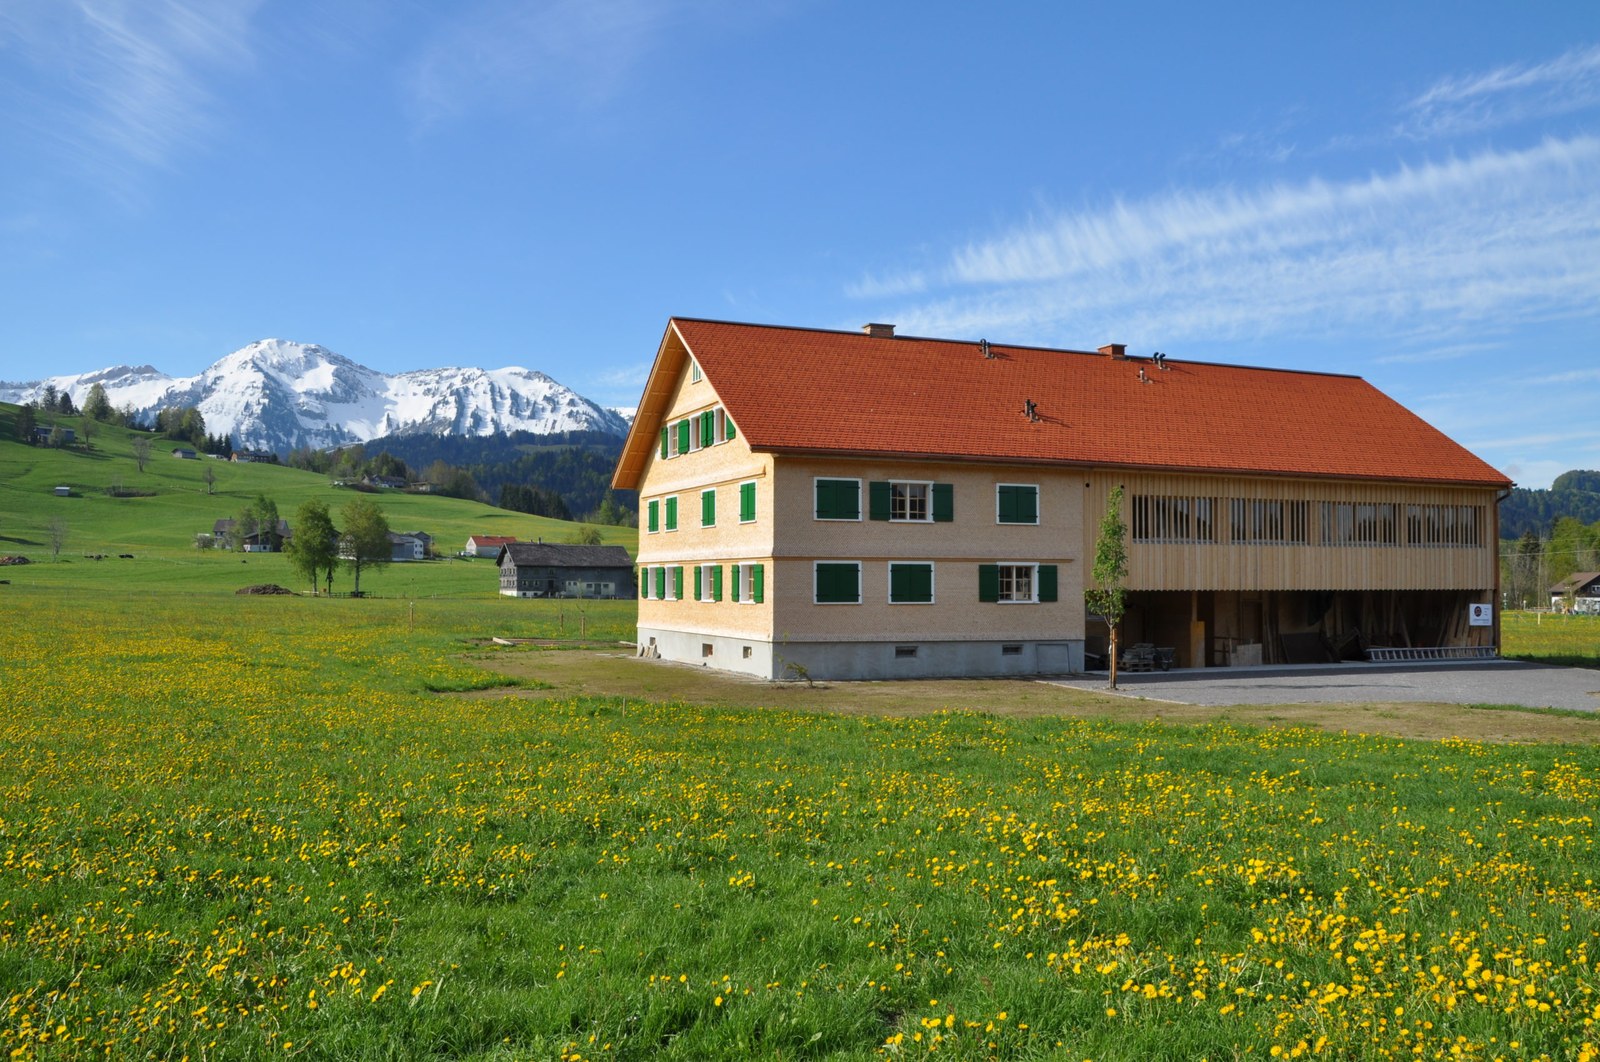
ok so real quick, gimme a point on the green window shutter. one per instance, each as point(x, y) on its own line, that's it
point(663, 442)
point(1028, 505)
point(677, 581)
point(1006, 504)
point(699, 582)
point(733, 578)
point(878, 500)
point(683, 436)
point(1047, 582)
point(757, 583)
point(708, 427)
point(654, 509)
point(661, 583)
point(944, 503)
point(708, 508)
point(672, 514)
point(747, 502)
point(644, 583)
point(838, 499)
point(839, 583)
point(910, 583)
point(988, 582)
point(729, 422)
point(716, 583)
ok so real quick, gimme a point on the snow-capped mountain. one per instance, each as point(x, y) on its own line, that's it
point(278, 395)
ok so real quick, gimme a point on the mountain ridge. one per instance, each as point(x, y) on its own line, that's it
point(277, 394)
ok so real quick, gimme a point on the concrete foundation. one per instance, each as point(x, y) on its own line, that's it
point(844, 661)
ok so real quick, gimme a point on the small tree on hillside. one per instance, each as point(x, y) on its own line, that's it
point(1107, 596)
point(56, 530)
point(96, 406)
point(208, 476)
point(315, 545)
point(26, 423)
point(141, 452)
point(364, 542)
point(586, 536)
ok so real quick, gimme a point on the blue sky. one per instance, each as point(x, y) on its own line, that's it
point(1410, 192)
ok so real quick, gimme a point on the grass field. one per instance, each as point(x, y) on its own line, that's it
point(235, 827)
point(1570, 640)
point(159, 530)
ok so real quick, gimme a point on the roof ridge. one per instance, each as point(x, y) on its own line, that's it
point(854, 334)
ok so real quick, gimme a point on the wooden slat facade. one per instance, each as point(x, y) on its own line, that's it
point(1462, 555)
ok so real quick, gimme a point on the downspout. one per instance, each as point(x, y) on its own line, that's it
point(1500, 496)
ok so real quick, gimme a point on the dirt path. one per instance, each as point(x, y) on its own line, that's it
point(579, 672)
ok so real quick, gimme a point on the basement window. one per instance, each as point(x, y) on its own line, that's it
point(904, 652)
point(706, 649)
point(748, 652)
point(1011, 650)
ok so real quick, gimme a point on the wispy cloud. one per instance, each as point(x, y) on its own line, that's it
point(1435, 252)
point(1509, 94)
point(582, 52)
point(120, 83)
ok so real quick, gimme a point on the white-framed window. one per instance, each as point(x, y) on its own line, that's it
point(910, 501)
point(749, 583)
point(708, 582)
point(695, 376)
point(1019, 582)
point(836, 582)
point(722, 425)
point(910, 582)
point(1016, 503)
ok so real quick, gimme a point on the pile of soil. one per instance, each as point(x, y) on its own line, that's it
point(264, 588)
point(14, 559)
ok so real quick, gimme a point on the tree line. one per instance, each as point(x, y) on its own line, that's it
point(1575, 494)
point(1531, 565)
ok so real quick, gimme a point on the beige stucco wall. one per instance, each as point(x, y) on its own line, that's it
point(722, 468)
point(956, 549)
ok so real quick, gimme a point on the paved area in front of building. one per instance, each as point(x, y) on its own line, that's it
point(1474, 682)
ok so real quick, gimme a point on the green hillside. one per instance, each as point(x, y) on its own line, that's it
point(159, 530)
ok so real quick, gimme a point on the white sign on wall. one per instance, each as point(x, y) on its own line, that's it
point(1480, 616)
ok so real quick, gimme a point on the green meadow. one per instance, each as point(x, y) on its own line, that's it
point(277, 827)
point(159, 529)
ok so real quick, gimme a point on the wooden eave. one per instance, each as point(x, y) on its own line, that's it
point(665, 373)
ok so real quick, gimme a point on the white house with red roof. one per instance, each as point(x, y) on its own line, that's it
point(486, 545)
point(868, 505)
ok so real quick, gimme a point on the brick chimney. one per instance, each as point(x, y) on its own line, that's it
point(1115, 350)
point(879, 331)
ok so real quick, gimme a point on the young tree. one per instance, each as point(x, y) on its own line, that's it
point(141, 451)
point(26, 423)
point(64, 404)
point(56, 529)
point(315, 545)
point(259, 518)
point(49, 399)
point(364, 542)
point(586, 536)
point(208, 476)
point(1108, 596)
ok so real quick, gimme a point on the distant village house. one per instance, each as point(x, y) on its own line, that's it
point(486, 545)
point(1580, 589)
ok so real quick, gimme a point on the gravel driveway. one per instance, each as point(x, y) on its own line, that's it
point(1466, 682)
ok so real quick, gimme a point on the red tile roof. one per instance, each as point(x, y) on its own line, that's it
point(490, 540)
point(816, 391)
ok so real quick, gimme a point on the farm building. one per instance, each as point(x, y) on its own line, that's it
point(1580, 589)
point(538, 569)
point(872, 505)
point(224, 534)
point(183, 453)
point(408, 545)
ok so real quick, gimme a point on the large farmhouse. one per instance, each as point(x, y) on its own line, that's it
point(872, 505)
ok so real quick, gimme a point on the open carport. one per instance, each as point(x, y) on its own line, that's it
point(1474, 682)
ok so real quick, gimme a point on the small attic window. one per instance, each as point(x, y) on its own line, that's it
point(694, 371)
